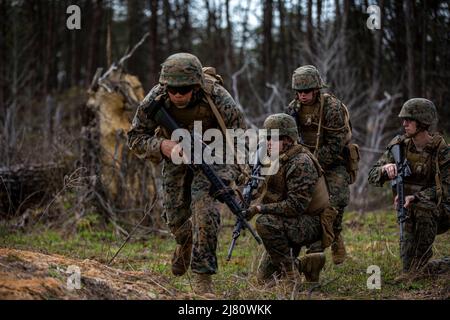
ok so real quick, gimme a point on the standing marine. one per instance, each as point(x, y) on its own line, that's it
point(324, 127)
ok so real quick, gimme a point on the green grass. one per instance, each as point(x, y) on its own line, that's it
point(371, 239)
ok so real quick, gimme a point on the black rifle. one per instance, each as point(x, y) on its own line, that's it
point(156, 111)
point(251, 185)
point(403, 171)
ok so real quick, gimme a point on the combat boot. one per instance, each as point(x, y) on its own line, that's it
point(338, 252)
point(311, 265)
point(203, 285)
point(181, 259)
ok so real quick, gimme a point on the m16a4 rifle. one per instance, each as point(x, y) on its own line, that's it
point(250, 186)
point(398, 186)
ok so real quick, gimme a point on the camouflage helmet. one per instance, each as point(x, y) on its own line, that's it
point(181, 69)
point(284, 123)
point(419, 109)
point(307, 77)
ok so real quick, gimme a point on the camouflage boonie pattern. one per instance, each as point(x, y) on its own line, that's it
point(330, 154)
point(181, 69)
point(283, 226)
point(284, 123)
point(425, 217)
point(188, 209)
point(419, 109)
point(307, 77)
point(191, 213)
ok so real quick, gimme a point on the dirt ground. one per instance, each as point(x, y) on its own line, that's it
point(33, 275)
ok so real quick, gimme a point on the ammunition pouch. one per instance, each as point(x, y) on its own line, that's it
point(352, 157)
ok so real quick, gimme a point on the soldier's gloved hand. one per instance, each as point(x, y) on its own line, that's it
point(252, 211)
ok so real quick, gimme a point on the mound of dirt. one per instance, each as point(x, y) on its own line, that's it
point(32, 275)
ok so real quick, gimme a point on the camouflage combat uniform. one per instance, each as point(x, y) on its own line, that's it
point(429, 182)
point(334, 136)
point(291, 208)
point(189, 210)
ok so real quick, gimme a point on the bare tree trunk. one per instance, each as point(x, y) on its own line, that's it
point(229, 36)
point(309, 29)
point(319, 14)
point(283, 41)
point(49, 48)
point(94, 38)
point(423, 60)
point(337, 6)
point(167, 16)
point(244, 31)
point(3, 57)
point(377, 61)
point(186, 33)
point(267, 41)
point(407, 8)
point(154, 52)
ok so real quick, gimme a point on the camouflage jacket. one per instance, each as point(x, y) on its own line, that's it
point(335, 131)
point(300, 177)
point(143, 138)
point(377, 176)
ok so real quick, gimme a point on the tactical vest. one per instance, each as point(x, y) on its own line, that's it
point(185, 117)
point(276, 184)
point(423, 164)
point(308, 122)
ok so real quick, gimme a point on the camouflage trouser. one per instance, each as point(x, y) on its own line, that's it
point(283, 239)
point(444, 218)
point(191, 213)
point(420, 230)
point(337, 180)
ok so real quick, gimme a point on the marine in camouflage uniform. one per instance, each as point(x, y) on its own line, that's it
point(294, 208)
point(426, 189)
point(327, 111)
point(189, 210)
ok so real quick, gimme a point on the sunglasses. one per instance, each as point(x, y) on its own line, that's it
point(305, 91)
point(181, 90)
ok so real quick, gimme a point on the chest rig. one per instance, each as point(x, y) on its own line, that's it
point(423, 164)
point(198, 110)
point(277, 189)
point(308, 119)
